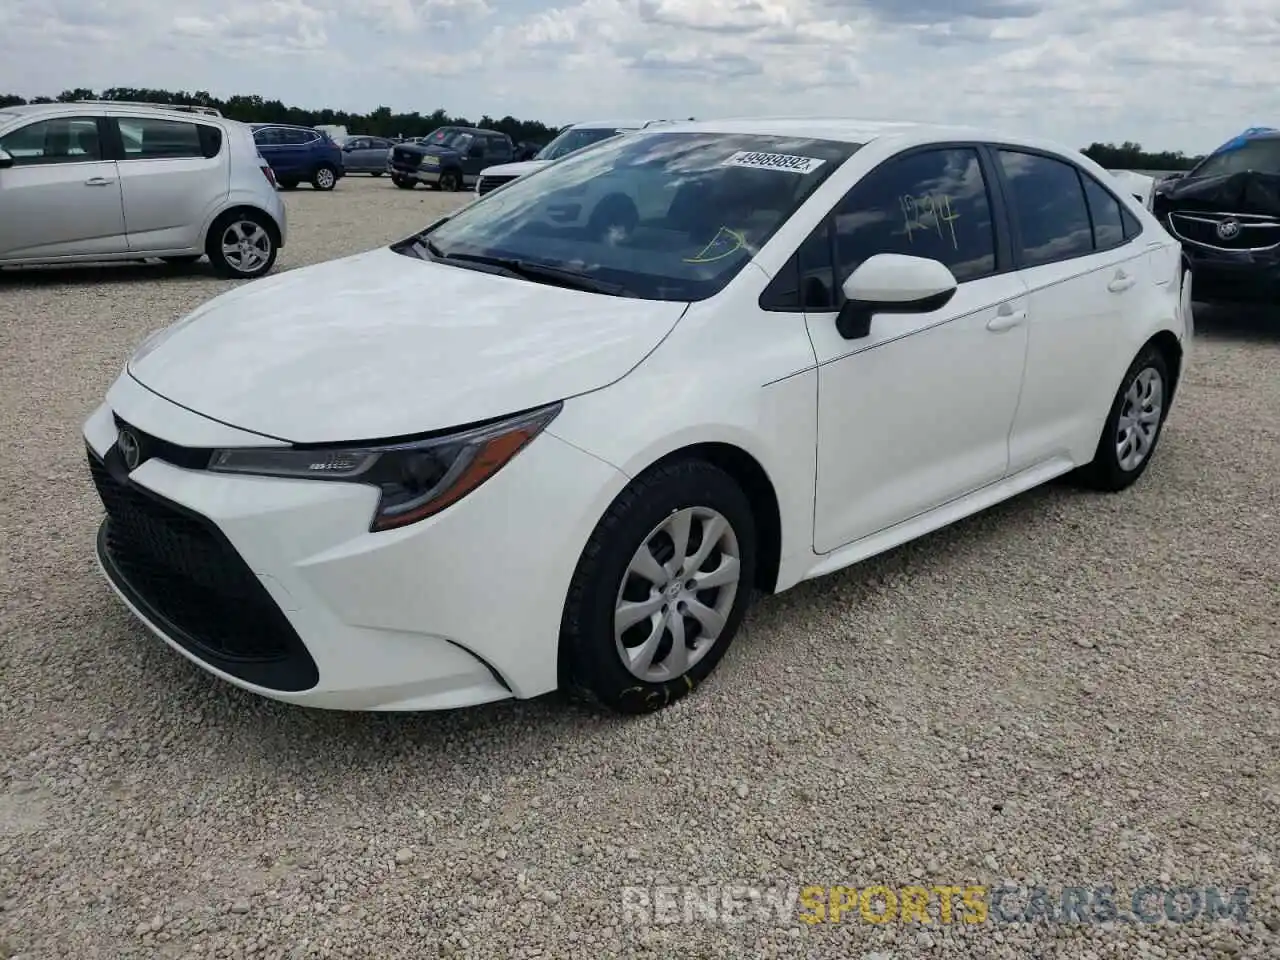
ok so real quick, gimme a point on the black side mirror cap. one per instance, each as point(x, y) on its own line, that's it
point(853, 322)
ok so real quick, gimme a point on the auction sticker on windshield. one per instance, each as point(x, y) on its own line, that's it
point(774, 161)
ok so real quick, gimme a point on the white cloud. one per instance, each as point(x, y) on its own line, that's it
point(1168, 74)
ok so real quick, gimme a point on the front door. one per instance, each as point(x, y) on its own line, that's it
point(918, 412)
point(61, 197)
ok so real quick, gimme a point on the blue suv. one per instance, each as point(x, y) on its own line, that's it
point(299, 153)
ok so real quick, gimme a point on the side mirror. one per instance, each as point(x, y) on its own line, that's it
point(892, 283)
point(6, 160)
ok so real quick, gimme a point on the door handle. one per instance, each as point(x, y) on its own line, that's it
point(1121, 283)
point(1006, 318)
point(99, 182)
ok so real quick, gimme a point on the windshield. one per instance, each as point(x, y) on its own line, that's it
point(573, 140)
point(659, 216)
point(1259, 156)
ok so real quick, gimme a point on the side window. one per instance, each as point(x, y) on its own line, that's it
point(61, 140)
point(1105, 209)
point(267, 137)
point(299, 137)
point(930, 204)
point(1048, 206)
point(807, 282)
point(499, 148)
point(1132, 227)
point(145, 138)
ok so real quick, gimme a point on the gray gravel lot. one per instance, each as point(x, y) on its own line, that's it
point(1070, 689)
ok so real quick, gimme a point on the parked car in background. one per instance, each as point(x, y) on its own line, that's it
point(1226, 212)
point(94, 181)
point(561, 458)
point(570, 140)
point(527, 150)
point(366, 155)
point(300, 153)
point(451, 159)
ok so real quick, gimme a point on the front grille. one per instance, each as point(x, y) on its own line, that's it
point(1253, 233)
point(406, 158)
point(488, 183)
point(185, 576)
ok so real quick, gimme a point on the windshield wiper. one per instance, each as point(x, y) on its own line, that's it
point(541, 273)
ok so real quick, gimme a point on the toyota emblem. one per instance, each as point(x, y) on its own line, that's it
point(1228, 229)
point(130, 449)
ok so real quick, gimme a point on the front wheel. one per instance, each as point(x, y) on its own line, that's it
point(375, 173)
point(325, 178)
point(242, 245)
point(1133, 425)
point(660, 589)
point(450, 181)
point(404, 183)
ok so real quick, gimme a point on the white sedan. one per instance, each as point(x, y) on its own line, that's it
point(506, 456)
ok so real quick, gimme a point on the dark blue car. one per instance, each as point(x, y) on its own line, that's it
point(299, 153)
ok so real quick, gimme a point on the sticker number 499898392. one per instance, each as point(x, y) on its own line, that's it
point(774, 161)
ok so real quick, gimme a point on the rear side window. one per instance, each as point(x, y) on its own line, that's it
point(146, 138)
point(267, 136)
point(1107, 215)
point(1048, 206)
point(61, 140)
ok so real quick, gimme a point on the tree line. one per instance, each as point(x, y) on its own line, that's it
point(382, 122)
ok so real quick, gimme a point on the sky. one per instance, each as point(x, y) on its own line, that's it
point(1169, 74)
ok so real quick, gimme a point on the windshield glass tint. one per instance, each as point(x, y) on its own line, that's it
point(572, 140)
point(1260, 156)
point(667, 216)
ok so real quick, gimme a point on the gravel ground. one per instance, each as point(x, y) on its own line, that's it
point(1070, 689)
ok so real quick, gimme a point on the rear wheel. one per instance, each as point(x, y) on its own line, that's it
point(660, 589)
point(325, 178)
point(375, 173)
point(242, 245)
point(451, 181)
point(1133, 426)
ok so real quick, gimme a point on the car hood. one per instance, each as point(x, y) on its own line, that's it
point(429, 149)
point(384, 345)
point(514, 169)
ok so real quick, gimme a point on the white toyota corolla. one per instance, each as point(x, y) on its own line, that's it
point(506, 456)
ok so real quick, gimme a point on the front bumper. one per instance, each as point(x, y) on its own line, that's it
point(304, 605)
point(421, 174)
point(1247, 278)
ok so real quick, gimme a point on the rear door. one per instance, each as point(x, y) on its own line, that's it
point(173, 175)
point(1083, 269)
point(61, 197)
point(474, 151)
point(270, 143)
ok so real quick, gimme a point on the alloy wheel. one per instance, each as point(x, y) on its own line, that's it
point(246, 246)
point(677, 594)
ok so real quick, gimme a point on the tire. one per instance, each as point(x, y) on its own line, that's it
point(1117, 463)
point(324, 178)
point(404, 183)
point(288, 184)
point(593, 666)
point(450, 181)
point(375, 173)
point(183, 261)
point(249, 231)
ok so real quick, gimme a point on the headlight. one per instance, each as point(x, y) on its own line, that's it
point(416, 478)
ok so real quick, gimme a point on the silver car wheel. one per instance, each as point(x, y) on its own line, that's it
point(1139, 419)
point(677, 594)
point(246, 246)
point(325, 179)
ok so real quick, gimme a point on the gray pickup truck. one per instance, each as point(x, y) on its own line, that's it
point(451, 158)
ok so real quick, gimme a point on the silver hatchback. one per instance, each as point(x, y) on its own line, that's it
point(99, 181)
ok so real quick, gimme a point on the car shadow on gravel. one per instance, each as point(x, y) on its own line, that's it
point(1253, 324)
point(18, 278)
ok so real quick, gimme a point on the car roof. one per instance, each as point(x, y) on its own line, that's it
point(287, 126)
point(607, 124)
point(74, 107)
point(859, 131)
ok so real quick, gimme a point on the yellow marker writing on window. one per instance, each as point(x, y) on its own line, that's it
point(929, 212)
point(725, 243)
